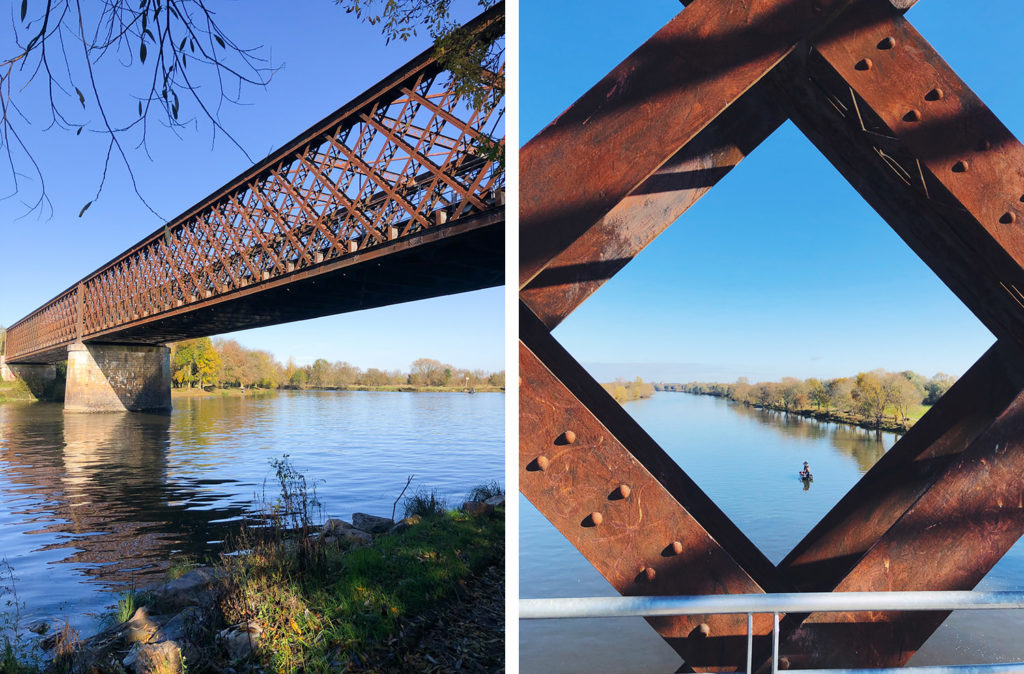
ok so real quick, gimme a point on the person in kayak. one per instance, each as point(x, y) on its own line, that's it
point(805, 474)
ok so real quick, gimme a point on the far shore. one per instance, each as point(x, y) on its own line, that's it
point(393, 388)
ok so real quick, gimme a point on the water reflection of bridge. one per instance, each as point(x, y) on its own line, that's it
point(97, 489)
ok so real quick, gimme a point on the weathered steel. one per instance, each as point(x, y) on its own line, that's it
point(580, 268)
point(604, 179)
point(398, 167)
point(687, 75)
point(664, 536)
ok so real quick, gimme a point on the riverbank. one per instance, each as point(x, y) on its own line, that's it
point(15, 391)
point(423, 594)
point(837, 417)
point(238, 393)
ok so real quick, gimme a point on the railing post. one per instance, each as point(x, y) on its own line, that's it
point(775, 643)
point(750, 643)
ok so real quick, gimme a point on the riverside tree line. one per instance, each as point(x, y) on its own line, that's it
point(870, 398)
point(226, 363)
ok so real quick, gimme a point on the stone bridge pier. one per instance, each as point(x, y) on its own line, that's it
point(118, 378)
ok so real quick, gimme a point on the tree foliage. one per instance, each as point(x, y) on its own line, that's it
point(870, 397)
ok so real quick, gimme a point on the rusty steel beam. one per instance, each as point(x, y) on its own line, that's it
point(934, 143)
point(948, 538)
point(351, 182)
point(632, 512)
point(677, 83)
point(616, 238)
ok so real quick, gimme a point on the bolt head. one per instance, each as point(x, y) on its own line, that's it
point(624, 490)
point(596, 518)
point(935, 94)
point(961, 166)
point(543, 462)
point(913, 115)
point(864, 64)
point(677, 547)
point(887, 43)
point(1009, 217)
point(704, 630)
point(570, 437)
point(649, 574)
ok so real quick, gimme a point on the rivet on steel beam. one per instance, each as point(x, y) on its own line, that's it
point(913, 115)
point(1008, 218)
point(887, 43)
point(677, 548)
point(984, 144)
point(621, 492)
point(934, 95)
point(864, 64)
point(701, 631)
point(540, 463)
point(649, 574)
point(567, 438)
point(593, 519)
point(961, 166)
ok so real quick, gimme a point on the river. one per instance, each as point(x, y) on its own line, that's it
point(746, 459)
point(94, 504)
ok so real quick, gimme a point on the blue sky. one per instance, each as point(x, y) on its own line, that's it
point(781, 269)
point(325, 57)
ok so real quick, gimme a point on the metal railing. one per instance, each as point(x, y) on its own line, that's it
point(776, 604)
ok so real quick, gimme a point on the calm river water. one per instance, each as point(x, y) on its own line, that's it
point(91, 504)
point(746, 460)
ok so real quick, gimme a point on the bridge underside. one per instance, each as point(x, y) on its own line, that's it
point(629, 158)
point(463, 257)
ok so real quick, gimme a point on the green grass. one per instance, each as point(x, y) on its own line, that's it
point(15, 391)
point(351, 603)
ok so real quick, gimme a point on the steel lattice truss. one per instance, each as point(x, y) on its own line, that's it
point(400, 160)
point(632, 155)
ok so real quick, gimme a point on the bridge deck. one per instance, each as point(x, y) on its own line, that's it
point(386, 200)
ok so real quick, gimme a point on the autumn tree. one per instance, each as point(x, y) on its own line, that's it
point(873, 395)
point(817, 393)
point(904, 395)
point(937, 386)
point(194, 361)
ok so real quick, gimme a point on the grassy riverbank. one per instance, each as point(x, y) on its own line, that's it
point(424, 595)
point(401, 388)
point(15, 391)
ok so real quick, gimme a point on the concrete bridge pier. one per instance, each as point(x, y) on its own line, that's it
point(118, 378)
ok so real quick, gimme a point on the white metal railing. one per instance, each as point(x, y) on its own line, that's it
point(775, 604)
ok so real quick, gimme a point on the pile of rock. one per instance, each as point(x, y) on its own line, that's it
point(483, 507)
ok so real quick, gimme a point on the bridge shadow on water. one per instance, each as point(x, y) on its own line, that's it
point(94, 491)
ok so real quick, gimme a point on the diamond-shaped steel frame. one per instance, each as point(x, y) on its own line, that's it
point(627, 159)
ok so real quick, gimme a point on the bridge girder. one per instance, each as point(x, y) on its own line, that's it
point(632, 155)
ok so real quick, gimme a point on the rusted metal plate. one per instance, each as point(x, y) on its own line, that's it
point(602, 250)
point(399, 160)
point(947, 540)
point(642, 113)
point(955, 141)
point(832, 548)
point(574, 463)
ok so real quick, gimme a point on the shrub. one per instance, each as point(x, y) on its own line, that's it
point(425, 503)
point(485, 491)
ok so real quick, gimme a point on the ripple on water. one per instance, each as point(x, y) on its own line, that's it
point(93, 504)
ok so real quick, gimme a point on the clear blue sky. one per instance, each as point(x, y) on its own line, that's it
point(326, 57)
point(781, 269)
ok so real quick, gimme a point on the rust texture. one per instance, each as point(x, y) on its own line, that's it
point(631, 156)
point(381, 174)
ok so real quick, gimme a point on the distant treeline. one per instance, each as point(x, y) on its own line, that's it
point(226, 363)
point(624, 391)
point(869, 399)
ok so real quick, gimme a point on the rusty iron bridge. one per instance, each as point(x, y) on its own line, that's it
point(631, 156)
point(389, 199)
